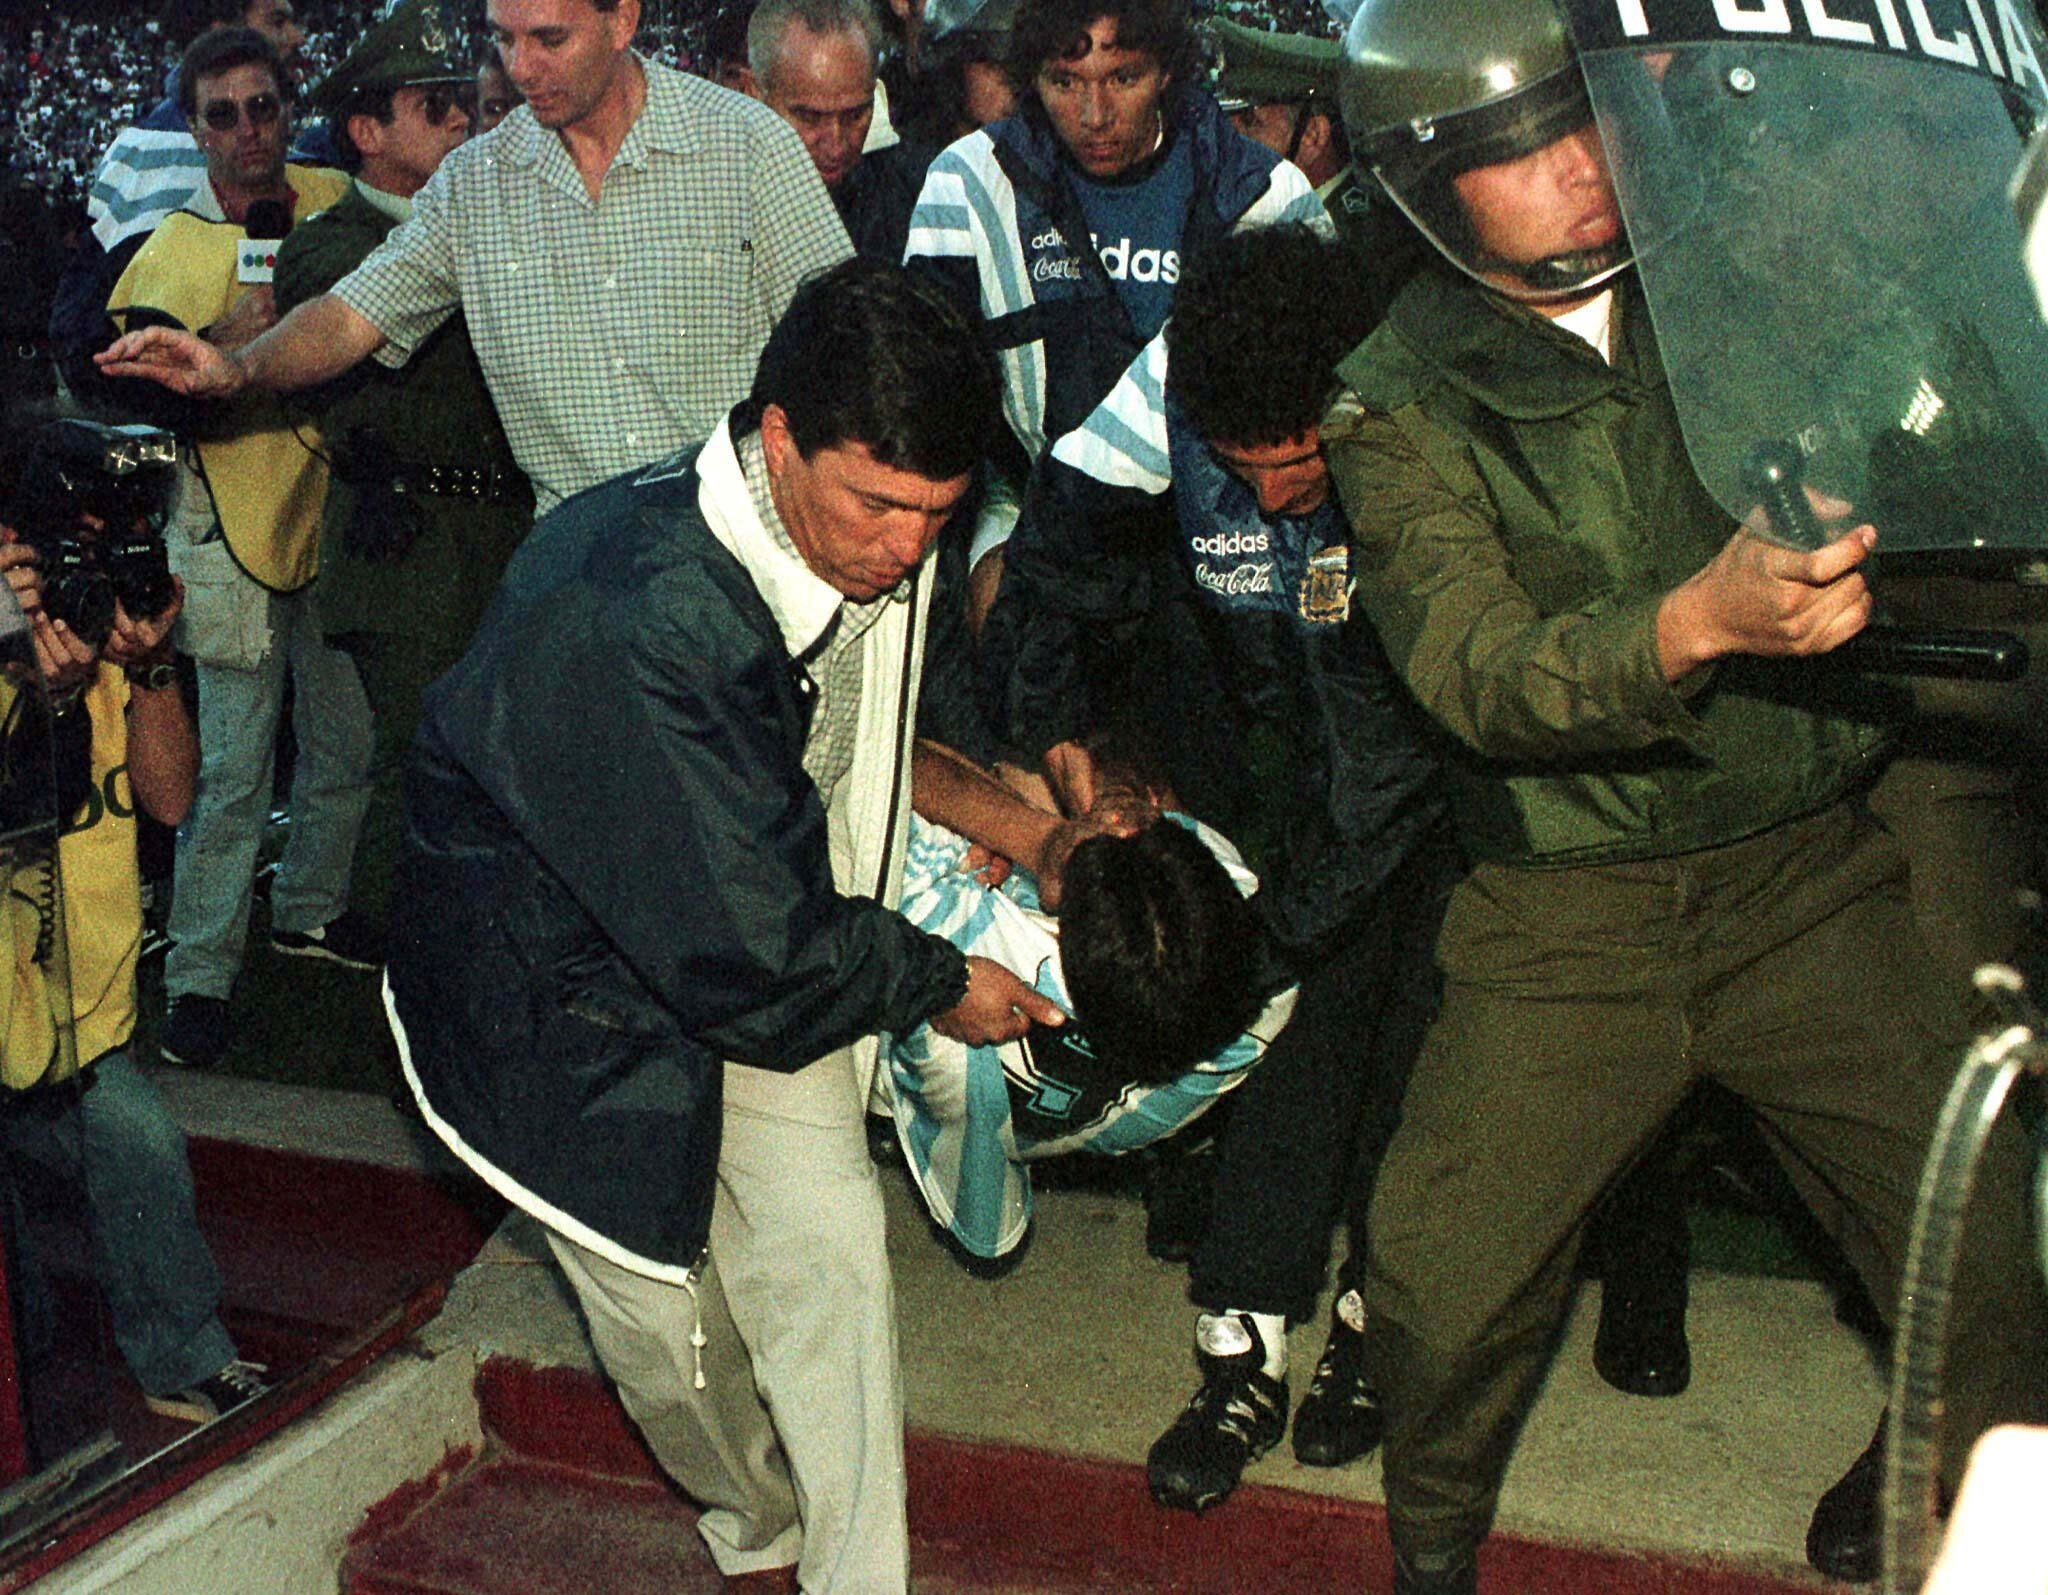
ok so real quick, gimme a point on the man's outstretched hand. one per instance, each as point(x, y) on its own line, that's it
point(998, 1007)
point(184, 362)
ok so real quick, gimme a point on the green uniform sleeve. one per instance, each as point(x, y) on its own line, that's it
point(1439, 584)
point(311, 260)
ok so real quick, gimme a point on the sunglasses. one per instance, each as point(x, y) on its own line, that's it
point(438, 99)
point(224, 115)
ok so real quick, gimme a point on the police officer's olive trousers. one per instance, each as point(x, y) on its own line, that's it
point(396, 671)
point(1963, 832)
point(1579, 1006)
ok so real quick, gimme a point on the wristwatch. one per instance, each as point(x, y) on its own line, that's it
point(155, 677)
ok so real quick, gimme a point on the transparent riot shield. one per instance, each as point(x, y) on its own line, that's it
point(56, 1441)
point(1816, 191)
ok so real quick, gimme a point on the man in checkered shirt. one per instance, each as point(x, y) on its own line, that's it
point(620, 246)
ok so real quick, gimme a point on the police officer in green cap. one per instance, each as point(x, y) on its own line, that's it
point(1280, 89)
point(426, 505)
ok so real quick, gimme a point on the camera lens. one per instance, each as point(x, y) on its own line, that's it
point(141, 576)
point(78, 593)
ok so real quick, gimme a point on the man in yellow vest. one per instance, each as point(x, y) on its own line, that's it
point(245, 539)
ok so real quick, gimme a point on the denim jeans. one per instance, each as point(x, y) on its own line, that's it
point(217, 845)
point(111, 1127)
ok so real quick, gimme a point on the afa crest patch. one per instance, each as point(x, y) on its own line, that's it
point(1325, 598)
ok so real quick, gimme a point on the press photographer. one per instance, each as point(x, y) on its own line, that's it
point(94, 495)
point(64, 600)
point(41, 752)
point(80, 542)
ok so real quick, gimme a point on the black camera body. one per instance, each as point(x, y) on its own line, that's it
point(84, 577)
point(92, 503)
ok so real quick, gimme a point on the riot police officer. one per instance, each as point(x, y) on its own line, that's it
point(1674, 876)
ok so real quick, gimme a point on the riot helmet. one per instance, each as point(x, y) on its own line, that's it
point(1432, 95)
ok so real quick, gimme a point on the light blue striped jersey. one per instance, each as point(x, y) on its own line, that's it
point(970, 1118)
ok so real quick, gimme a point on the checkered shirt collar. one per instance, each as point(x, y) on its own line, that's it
point(753, 456)
point(665, 123)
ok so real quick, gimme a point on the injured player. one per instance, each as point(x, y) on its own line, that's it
point(1133, 919)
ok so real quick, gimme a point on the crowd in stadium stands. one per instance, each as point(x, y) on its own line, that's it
point(71, 76)
point(70, 80)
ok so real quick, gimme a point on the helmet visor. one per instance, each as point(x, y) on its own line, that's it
point(1514, 192)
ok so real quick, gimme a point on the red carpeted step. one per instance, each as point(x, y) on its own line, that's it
point(515, 1527)
point(573, 1503)
point(518, 1527)
point(322, 1246)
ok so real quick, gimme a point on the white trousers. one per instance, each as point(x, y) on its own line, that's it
point(794, 1447)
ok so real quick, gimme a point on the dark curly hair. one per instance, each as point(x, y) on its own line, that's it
point(1160, 951)
point(1057, 30)
point(1260, 321)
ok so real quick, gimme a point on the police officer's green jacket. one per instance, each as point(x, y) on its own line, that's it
point(1519, 509)
point(384, 427)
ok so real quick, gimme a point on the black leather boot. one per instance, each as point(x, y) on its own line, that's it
point(1446, 1572)
point(1340, 1420)
point(1640, 1244)
point(1845, 1540)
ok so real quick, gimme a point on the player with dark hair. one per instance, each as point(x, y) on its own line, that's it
point(1062, 32)
point(1152, 950)
point(1244, 371)
point(1342, 809)
point(1116, 174)
point(1156, 937)
point(1117, 168)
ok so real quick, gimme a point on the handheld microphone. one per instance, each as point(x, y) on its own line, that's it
point(268, 221)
